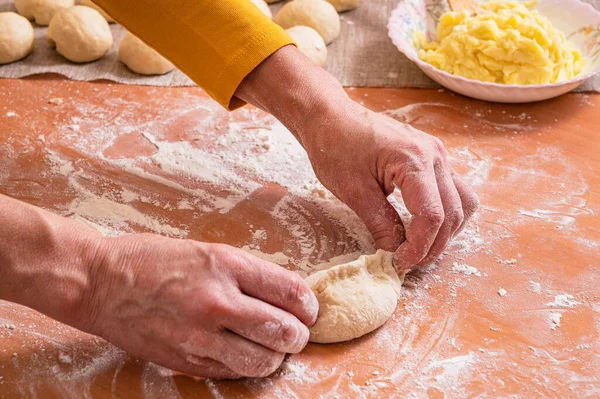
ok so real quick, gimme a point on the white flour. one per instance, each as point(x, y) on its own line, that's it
point(465, 269)
point(563, 301)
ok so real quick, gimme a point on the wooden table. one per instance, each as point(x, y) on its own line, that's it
point(96, 152)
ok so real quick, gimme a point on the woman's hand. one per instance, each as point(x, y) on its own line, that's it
point(209, 310)
point(204, 309)
point(361, 156)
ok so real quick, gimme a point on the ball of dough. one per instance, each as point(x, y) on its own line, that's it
point(310, 43)
point(80, 34)
point(344, 5)
point(354, 298)
point(263, 6)
point(89, 3)
point(42, 11)
point(141, 58)
point(316, 14)
point(16, 37)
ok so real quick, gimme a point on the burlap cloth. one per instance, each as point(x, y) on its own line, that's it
point(363, 56)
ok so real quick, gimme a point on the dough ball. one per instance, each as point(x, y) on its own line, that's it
point(42, 11)
point(310, 43)
point(263, 6)
point(316, 14)
point(80, 34)
point(141, 58)
point(16, 37)
point(354, 298)
point(344, 5)
point(89, 3)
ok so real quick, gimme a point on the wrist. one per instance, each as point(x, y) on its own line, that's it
point(45, 261)
point(293, 90)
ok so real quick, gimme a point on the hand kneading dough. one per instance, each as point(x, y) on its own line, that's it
point(80, 34)
point(355, 298)
point(344, 5)
point(263, 6)
point(16, 37)
point(89, 3)
point(141, 58)
point(42, 11)
point(310, 43)
point(316, 14)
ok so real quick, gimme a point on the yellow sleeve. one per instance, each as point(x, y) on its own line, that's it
point(214, 42)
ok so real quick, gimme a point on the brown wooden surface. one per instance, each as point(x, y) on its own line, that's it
point(535, 168)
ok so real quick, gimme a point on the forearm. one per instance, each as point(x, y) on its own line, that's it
point(295, 91)
point(44, 259)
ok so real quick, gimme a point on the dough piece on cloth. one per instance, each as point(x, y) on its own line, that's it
point(16, 37)
point(317, 14)
point(141, 58)
point(41, 11)
point(354, 298)
point(310, 43)
point(80, 34)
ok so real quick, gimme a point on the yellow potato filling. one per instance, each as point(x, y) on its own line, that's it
point(507, 42)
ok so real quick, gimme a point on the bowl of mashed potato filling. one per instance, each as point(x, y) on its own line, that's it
point(509, 51)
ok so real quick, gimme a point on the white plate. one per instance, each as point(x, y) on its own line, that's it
point(579, 21)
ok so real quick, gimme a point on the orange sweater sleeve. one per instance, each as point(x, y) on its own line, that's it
point(214, 42)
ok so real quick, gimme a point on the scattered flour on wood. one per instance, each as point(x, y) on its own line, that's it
point(465, 269)
point(563, 301)
point(554, 320)
point(535, 287)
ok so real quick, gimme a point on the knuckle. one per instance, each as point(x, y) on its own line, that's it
point(296, 289)
point(455, 217)
point(420, 157)
point(435, 216)
point(265, 365)
point(291, 336)
point(215, 306)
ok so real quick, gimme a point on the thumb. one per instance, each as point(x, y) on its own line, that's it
point(380, 217)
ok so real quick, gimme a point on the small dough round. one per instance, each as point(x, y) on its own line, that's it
point(310, 43)
point(354, 298)
point(344, 5)
point(80, 34)
point(316, 14)
point(42, 11)
point(16, 37)
point(89, 3)
point(264, 7)
point(141, 58)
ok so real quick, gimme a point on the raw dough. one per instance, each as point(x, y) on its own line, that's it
point(263, 6)
point(354, 298)
point(310, 43)
point(507, 44)
point(41, 11)
point(89, 3)
point(141, 58)
point(16, 37)
point(316, 14)
point(344, 5)
point(80, 34)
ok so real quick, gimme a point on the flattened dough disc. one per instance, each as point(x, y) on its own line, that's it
point(354, 298)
